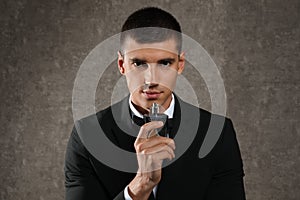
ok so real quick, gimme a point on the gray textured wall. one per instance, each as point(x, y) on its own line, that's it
point(254, 43)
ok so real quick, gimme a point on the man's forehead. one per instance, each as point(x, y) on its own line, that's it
point(131, 45)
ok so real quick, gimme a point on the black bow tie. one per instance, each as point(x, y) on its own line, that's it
point(137, 120)
point(141, 121)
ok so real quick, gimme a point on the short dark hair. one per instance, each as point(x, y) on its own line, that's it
point(151, 24)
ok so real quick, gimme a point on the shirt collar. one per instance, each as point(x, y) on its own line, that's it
point(169, 111)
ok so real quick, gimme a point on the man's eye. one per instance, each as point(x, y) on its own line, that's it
point(165, 63)
point(139, 64)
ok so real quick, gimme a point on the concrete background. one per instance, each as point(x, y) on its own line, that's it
point(254, 43)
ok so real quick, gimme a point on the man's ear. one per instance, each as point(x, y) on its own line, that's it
point(121, 63)
point(181, 63)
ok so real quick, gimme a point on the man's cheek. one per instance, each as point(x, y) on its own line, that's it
point(134, 81)
point(168, 80)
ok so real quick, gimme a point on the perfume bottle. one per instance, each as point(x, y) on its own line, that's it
point(156, 114)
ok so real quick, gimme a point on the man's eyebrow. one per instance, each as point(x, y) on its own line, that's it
point(137, 60)
point(171, 60)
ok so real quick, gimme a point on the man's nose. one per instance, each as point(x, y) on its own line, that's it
point(151, 73)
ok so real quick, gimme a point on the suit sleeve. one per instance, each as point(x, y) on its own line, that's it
point(81, 181)
point(227, 179)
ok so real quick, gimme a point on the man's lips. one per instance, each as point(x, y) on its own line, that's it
point(151, 94)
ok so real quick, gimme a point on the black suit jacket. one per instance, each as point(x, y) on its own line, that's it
point(219, 175)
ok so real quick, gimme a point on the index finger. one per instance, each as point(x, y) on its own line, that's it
point(146, 128)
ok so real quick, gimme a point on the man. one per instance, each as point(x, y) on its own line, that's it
point(150, 59)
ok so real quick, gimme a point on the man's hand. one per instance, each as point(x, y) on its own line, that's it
point(151, 151)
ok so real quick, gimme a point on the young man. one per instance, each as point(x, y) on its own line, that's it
point(151, 58)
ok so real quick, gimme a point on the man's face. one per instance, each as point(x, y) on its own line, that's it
point(151, 71)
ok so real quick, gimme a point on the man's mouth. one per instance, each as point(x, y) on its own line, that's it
point(151, 94)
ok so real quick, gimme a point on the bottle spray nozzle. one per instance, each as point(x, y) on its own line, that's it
point(154, 109)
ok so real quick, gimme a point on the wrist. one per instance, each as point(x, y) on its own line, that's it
point(140, 188)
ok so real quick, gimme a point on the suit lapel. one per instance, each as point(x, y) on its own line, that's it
point(123, 129)
point(119, 129)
